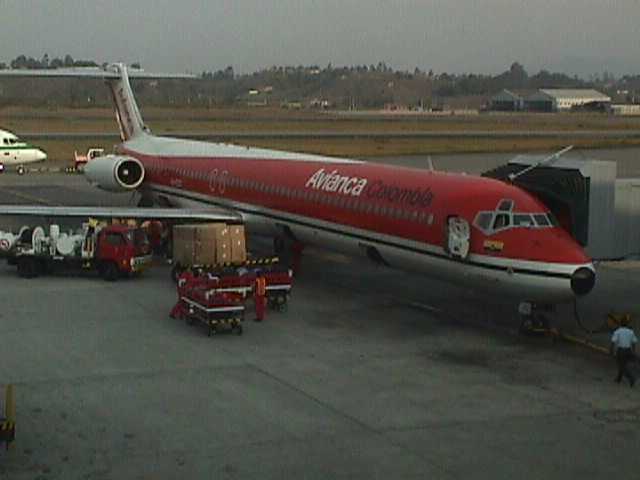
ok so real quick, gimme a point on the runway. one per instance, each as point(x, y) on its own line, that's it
point(370, 374)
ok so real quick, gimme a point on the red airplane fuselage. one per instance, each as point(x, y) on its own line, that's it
point(401, 215)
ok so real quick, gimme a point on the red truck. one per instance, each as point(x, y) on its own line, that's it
point(80, 161)
point(112, 250)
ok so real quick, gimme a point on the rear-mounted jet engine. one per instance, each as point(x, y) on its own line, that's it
point(115, 173)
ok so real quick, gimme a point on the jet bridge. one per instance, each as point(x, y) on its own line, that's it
point(580, 193)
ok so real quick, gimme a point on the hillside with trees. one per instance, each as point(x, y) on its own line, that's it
point(347, 87)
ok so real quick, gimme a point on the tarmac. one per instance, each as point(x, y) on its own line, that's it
point(370, 373)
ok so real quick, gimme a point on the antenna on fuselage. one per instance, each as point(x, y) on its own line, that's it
point(546, 161)
point(430, 164)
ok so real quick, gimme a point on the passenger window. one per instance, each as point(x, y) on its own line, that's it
point(522, 220)
point(502, 221)
point(541, 220)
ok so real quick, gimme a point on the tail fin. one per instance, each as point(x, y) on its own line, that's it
point(127, 112)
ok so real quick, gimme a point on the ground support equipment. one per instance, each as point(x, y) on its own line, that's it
point(217, 311)
point(278, 288)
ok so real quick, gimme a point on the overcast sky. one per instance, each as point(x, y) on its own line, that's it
point(481, 36)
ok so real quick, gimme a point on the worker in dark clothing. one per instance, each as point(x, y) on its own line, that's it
point(623, 344)
point(260, 297)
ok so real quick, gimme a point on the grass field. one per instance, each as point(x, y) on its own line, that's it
point(180, 120)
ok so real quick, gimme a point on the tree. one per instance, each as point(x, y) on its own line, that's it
point(56, 63)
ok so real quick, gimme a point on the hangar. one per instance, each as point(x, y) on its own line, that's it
point(510, 100)
point(562, 99)
point(549, 100)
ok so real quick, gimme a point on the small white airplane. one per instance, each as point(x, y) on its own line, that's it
point(15, 152)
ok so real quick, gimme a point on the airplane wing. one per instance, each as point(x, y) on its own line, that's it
point(180, 214)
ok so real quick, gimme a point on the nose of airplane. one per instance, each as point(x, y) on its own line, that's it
point(583, 281)
point(41, 156)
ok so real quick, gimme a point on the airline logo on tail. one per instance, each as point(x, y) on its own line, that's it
point(127, 120)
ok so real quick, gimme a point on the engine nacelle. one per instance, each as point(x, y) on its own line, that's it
point(114, 173)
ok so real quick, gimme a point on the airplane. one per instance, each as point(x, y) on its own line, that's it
point(486, 234)
point(16, 152)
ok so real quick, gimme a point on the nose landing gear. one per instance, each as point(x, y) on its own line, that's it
point(534, 318)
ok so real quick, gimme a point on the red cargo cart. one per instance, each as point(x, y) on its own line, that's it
point(217, 311)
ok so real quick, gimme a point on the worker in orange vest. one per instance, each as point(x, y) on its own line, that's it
point(260, 297)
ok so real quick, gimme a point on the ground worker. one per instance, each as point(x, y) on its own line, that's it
point(185, 279)
point(623, 344)
point(260, 297)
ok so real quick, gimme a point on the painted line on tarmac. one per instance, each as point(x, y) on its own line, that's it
point(31, 198)
point(427, 307)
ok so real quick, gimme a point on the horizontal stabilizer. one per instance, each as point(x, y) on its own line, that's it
point(92, 72)
point(116, 76)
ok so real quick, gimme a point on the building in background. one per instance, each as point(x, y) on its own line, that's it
point(624, 109)
point(550, 100)
point(509, 100)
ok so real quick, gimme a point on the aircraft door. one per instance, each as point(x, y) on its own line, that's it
point(457, 237)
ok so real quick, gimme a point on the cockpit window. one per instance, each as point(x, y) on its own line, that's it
point(522, 220)
point(541, 220)
point(483, 220)
point(553, 220)
point(502, 220)
point(505, 205)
